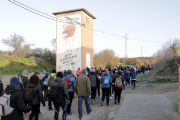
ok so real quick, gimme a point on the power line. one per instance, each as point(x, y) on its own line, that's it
point(53, 18)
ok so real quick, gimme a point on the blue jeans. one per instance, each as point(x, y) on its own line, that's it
point(80, 101)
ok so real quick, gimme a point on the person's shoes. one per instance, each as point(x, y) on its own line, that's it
point(40, 114)
point(110, 98)
point(89, 113)
point(107, 105)
point(69, 113)
point(102, 103)
point(93, 102)
point(99, 96)
point(50, 109)
point(80, 118)
point(115, 102)
point(119, 103)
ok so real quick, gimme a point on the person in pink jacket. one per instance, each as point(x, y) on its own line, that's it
point(78, 72)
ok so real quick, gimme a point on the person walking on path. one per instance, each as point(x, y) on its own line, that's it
point(78, 72)
point(105, 85)
point(127, 74)
point(1, 85)
point(70, 90)
point(118, 83)
point(59, 88)
point(16, 101)
point(93, 79)
point(133, 78)
point(65, 73)
point(49, 80)
point(83, 90)
point(25, 79)
point(34, 86)
point(44, 80)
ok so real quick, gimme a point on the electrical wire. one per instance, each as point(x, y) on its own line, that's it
point(55, 19)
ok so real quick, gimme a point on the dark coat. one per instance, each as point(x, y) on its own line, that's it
point(25, 81)
point(1, 87)
point(93, 78)
point(38, 95)
point(16, 102)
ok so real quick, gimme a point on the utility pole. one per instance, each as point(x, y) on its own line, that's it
point(126, 45)
point(142, 51)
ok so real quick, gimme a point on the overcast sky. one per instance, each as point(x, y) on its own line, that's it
point(151, 20)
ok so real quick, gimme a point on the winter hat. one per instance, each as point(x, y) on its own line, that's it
point(14, 81)
point(84, 71)
point(44, 72)
point(59, 74)
point(25, 72)
point(53, 71)
point(69, 72)
point(78, 68)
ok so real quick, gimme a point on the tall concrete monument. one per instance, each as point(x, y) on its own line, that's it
point(74, 39)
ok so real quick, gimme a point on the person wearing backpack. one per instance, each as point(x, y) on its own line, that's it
point(117, 81)
point(34, 96)
point(105, 85)
point(1, 85)
point(83, 90)
point(133, 78)
point(44, 80)
point(21, 86)
point(93, 79)
point(49, 81)
point(25, 79)
point(70, 84)
point(59, 95)
point(16, 105)
point(127, 74)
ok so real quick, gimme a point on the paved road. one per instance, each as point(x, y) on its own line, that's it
point(146, 107)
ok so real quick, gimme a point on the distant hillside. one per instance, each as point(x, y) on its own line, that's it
point(167, 73)
point(13, 65)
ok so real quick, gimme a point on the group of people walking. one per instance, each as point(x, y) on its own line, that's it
point(59, 89)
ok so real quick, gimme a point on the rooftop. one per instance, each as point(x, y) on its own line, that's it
point(75, 10)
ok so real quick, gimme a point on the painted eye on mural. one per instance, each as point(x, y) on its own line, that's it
point(69, 29)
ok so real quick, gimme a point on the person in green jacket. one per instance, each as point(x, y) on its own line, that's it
point(105, 85)
point(82, 87)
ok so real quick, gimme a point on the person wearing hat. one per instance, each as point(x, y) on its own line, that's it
point(16, 101)
point(25, 79)
point(63, 95)
point(53, 76)
point(78, 72)
point(70, 90)
point(1, 85)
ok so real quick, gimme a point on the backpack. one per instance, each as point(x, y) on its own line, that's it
point(45, 81)
point(67, 81)
point(54, 91)
point(29, 95)
point(106, 80)
point(5, 108)
point(118, 82)
point(50, 80)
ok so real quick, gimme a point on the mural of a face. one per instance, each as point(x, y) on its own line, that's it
point(69, 29)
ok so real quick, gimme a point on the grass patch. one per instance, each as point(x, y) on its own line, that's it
point(14, 66)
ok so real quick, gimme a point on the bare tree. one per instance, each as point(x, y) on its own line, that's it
point(14, 42)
